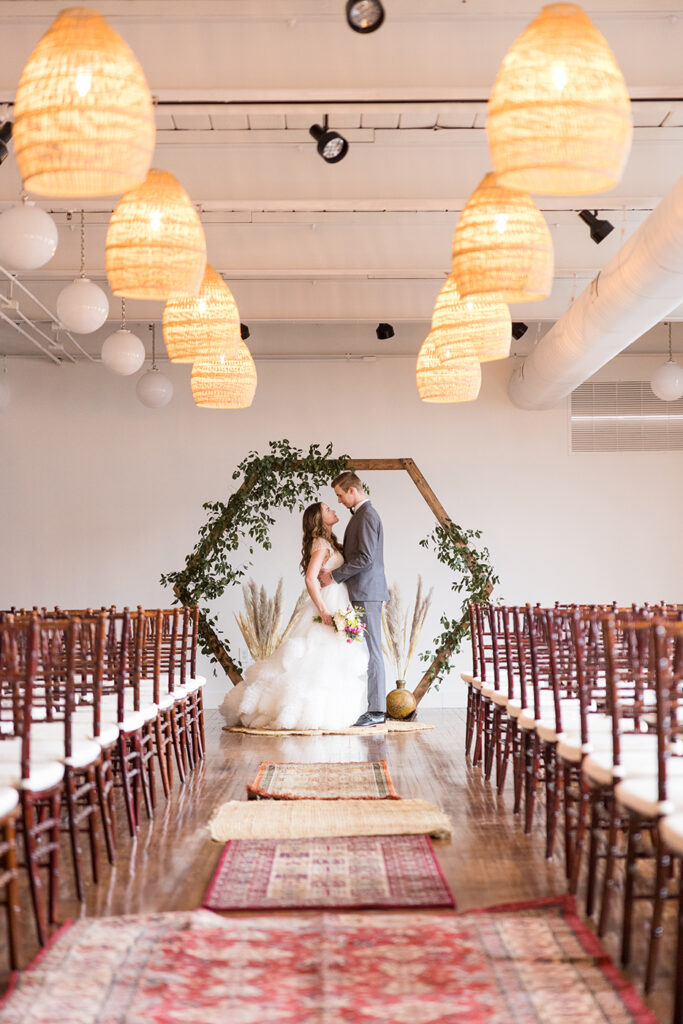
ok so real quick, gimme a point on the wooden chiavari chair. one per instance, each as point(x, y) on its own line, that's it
point(627, 695)
point(38, 781)
point(655, 788)
point(60, 738)
point(87, 717)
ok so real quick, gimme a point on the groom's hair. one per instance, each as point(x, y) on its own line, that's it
point(348, 479)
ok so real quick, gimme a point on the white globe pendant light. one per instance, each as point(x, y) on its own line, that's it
point(82, 307)
point(28, 237)
point(154, 388)
point(667, 380)
point(122, 352)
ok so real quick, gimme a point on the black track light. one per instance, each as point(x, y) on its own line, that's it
point(332, 146)
point(5, 136)
point(384, 332)
point(600, 229)
point(364, 15)
point(244, 331)
point(519, 329)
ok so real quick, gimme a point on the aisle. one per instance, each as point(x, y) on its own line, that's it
point(488, 861)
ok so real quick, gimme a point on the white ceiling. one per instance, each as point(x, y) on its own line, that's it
point(317, 246)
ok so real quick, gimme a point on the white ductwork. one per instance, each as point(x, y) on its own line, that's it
point(637, 289)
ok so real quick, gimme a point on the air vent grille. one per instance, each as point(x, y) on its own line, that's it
point(624, 416)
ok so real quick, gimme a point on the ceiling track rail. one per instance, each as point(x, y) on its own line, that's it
point(34, 341)
point(54, 351)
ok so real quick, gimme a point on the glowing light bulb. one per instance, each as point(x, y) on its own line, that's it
point(83, 83)
point(501, 223)
point(155, 219)
point(201, 305)
point(559, 77)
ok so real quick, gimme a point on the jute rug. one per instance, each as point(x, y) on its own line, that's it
point(370, 730)
point(534, 963)
point(301, 819)
point(334, 780)
point(334, 874)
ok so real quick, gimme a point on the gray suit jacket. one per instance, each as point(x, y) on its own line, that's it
point(363, 568)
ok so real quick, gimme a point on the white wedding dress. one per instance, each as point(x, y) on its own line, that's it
point(314, 680)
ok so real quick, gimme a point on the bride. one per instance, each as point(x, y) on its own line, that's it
point(315, 679)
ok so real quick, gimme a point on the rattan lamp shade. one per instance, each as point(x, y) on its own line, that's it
point(559, 118)
point(479, 327)
point(437, 383)
point(155, 245)
point(502, 246)
point(224, 382)
point(83, 114)
point(197, 327)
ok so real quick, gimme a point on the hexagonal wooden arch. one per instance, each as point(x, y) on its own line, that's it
point(361, 465)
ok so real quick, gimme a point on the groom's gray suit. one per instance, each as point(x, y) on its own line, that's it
point(363, 573)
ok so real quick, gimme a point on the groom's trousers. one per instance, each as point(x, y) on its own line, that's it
point(377, 690)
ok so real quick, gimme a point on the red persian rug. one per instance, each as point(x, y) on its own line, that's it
point(350, 780)
point(335, 873)
point(532, 963)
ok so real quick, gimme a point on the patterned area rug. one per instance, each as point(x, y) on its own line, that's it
point(533, 963)
point(337, 873)
point(333, 780)
point(370, 730)
point(303, 819)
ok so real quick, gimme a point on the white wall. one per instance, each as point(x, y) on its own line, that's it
point(99, 495)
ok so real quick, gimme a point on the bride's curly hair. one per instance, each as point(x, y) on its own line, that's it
point(313, 527)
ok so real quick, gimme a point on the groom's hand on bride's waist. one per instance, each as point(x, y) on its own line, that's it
point(325, 578)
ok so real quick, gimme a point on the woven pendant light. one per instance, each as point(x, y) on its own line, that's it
point(459, 382)
point(83, 114)
point(223, 382)
point(196, 327)
point(479, 327)
point(502, 245)
point(559, 118)
point(155, 244)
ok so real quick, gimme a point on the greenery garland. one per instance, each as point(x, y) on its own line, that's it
point(287, 477)
point(474, 579)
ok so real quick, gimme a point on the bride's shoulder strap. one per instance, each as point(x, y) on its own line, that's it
point(319, 544)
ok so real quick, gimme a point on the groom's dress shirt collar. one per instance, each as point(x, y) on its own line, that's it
point(355, 509)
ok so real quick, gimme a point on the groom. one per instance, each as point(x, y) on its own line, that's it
point(363, 573)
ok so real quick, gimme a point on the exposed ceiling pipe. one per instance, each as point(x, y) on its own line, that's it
point(638, 288)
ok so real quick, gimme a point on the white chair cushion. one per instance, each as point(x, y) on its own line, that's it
point(133, 721)
point(471, 680)
point(640, 794)
point(148, 710)
point(671, 831)
point(43, 774)
point(638, 757)
point(9, 798)
point(527, 719)
point(81, 725)
point(47, 743)
point(597, 724)
point(570, 748)
point(514, 707)
point(195, 683)
point(147, 695)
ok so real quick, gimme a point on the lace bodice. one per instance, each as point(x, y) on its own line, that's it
point(334, 558)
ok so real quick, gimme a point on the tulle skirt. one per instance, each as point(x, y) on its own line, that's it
point(314, 680)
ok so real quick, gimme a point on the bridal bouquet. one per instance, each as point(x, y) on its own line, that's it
point(348, 622)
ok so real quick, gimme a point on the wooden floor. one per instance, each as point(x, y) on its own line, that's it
point(489, 860)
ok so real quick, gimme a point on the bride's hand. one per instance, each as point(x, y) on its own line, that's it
point(326, 617)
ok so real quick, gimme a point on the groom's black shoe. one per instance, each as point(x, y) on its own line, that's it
point(371, 718)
